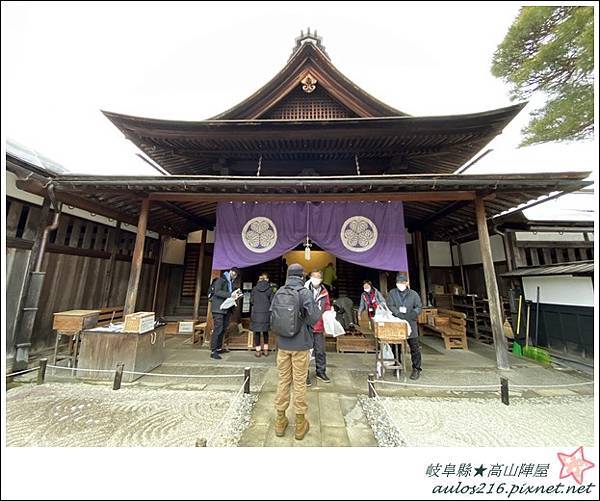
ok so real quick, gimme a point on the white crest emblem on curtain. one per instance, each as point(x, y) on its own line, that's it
point(358, 234)
point(259, 234)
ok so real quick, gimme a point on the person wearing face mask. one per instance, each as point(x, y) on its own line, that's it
point(221, 289)
point(405, 303)
point(370, 299)
point(321, 296)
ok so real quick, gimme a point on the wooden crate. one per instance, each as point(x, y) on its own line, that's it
point(391, 332)
point(75, 320)
point(355, 343)
point(139, 322)
point(425, 314)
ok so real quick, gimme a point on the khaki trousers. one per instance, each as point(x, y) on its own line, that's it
point(293, 369)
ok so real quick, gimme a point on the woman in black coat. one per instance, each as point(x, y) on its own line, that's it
point(260, 318)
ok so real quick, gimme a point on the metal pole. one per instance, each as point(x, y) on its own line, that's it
point(370, 379)
point(161, 246)
point(42, 371)
point(504, 390)
point(118, 376)
point(247, 380)
point(537, 316)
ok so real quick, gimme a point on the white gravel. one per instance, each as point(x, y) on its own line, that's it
point(83, 415)
point(474, 422)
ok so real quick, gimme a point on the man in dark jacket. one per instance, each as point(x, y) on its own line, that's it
point(405, 303)
point(293, 356)
point(223, 288)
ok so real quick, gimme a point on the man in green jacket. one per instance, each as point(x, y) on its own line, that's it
point(329, 276)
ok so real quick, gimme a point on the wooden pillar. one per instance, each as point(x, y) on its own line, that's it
point(418, 242)
point(113, 246)
point(199, 273)
point(161, 247)
point(383, 283)
point(462, 268)
point(209, 319)
point(137, 259)
point(491, 285)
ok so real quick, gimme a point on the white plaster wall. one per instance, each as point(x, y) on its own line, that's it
point(560, 289)
point(552, 236)
point(196, 237)
point(471, 252)
point(439, 253)
point(174, 251)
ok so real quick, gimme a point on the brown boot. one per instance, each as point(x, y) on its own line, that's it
point(281, 423)
point(302, 426)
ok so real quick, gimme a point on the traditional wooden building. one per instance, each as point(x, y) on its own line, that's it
point(308, 135)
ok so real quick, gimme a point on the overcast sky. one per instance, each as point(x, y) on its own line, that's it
point(64, 62)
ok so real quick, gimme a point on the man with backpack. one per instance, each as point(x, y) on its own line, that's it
point(221, 289)
point(293, 311)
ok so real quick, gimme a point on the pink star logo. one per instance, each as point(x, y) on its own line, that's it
point(574, 464)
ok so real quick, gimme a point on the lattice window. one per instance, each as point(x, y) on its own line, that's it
point(318, 105)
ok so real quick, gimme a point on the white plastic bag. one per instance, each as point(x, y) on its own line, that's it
point(331, 326)
point(383, 314)
point(388, 354)
point(228, 303)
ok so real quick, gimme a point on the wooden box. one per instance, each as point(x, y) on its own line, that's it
point(139, 322)
point(391, 332)
point(75, 320)
point(355, 343)
point(364, 323)
point(425, 314)
point(103, 350)
point(440, 321)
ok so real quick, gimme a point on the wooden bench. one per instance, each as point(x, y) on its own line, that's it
point(455, 333)
point(112, 314)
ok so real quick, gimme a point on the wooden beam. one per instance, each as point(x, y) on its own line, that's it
point(113, 245)
point(491, 285)
point(71, 199)
point(425, 196)
point(136, 260)
point(186, 214)
point(199, 273)
point(418, 242)
point(449, 209)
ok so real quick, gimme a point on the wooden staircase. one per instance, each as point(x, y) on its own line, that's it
point(192, 253)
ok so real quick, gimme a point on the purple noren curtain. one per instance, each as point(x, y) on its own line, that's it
point(370, 234)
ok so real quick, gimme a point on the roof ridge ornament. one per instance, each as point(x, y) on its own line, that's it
point(312, 38)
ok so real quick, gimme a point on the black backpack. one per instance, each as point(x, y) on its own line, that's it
point(286, 315)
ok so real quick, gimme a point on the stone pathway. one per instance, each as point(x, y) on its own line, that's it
point(336, 418)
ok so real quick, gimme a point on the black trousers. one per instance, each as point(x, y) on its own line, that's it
point(257, 338)
point(319, 352)
point(415, 352)
point(220, 321)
